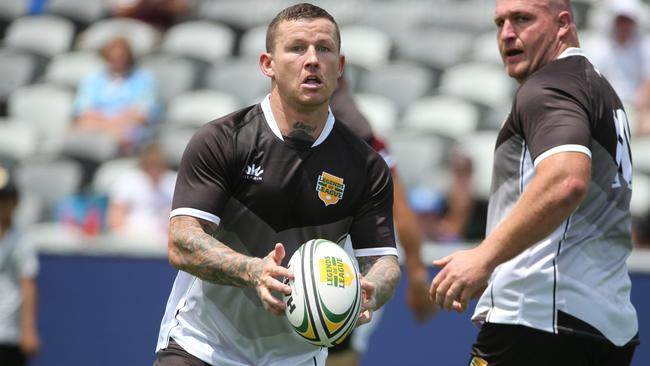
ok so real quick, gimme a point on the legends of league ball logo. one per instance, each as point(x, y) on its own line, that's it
point(334, 272)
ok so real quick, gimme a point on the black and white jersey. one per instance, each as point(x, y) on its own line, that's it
point(263, 188)
point(575, 280)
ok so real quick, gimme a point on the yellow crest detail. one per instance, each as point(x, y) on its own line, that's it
point(330, 188)
point(477, 361)
point(334, 272)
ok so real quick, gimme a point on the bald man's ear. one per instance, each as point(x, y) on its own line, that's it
point(565, 22)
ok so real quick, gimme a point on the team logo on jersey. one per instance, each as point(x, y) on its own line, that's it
point(477, 361)
point(254, 172)
point(330, 188)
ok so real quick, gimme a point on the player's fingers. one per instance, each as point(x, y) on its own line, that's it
point(440, 293)
point(274, 284)
point(435, 285)
point(271, 303)
point(442, 261)
point(279, 272)
point(463, 300)
point(279, 253)
point(452, 295)
point(364, 318)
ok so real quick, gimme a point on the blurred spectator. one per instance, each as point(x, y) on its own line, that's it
point(120, 101)
point(456, 216)
point(19, 338)
point(162, 14)
point(140, 201)
point(641, 231)
point(624, 58)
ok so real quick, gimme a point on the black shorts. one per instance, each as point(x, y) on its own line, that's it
point(10, 355)
point(175, 355)
point(515, 345)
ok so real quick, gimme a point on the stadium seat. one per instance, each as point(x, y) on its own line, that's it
point(48, 108)
point(402, 82)
point(420, 158)
point(443, 115)
point(69, 69)
point(49, 180)
point(143, 37)
point(82, 13)
point(480, 147)
point(381, 112)
point(12, 9)
point(482, 83)
point(253, 41)
point(195, 108)
point(173, 142)
point(18, 140)
point(44, 35)
point(199, 39)
point(174, 75)
point(108, 172)
point(641, 153)
point(240, 77)
point(486, 50)
point(365, 46)
point(640, 202)
point(16, 69)
point(438, 48)
point(90, 146)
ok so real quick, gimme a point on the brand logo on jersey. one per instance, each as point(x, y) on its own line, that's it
point(254, 172)
point(334, 272)
point(330, 188)
point(477, 361)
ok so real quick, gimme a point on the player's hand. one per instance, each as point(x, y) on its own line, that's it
point(369, 302)
point(30, 343)
point(462, 275)
point(417, 295)
point(267, 275)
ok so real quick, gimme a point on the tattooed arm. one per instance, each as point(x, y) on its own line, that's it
point(192, 248)
point(381, 276)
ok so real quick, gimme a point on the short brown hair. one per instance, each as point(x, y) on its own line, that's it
point(298, 12)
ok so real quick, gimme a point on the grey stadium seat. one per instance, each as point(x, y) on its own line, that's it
point(70, 68)
point(443, 115)
point(197, 107)
point(175, 75)
point(44, 35)
point(143, 37)
point(198, 39)
point(240, 77)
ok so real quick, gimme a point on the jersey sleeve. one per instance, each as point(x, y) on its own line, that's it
point(372, 232)
point(203, 186)
point(553, 120)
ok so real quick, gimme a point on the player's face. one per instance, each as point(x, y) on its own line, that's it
point(527, 35)
point(305, 63)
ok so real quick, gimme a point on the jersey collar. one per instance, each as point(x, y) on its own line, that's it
point(273, 125)
point(571, 51)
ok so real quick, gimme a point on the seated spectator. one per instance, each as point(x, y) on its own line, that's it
point(457, 215)
point(624, 57)
point(162, 14)
point(19, 339)
point(641, 231)
point(140, 201)
point(120, 101)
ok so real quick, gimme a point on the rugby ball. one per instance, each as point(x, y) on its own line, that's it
point(325, 298)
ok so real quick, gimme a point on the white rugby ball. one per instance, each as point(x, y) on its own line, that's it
point(325, 298)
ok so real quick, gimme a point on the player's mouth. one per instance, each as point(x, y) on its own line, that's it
point(312, 82)
point(512, 54)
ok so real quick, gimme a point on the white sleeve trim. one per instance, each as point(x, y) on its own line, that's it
point(563, 148)
point(195, 213)
point(369, 252)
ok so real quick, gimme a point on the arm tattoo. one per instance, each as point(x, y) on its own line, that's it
point(193, 249)
point(303, 132)
point(383, 272)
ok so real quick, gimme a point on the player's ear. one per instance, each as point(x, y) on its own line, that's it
point(266, 64)
point(564, 22)
point(341, 64)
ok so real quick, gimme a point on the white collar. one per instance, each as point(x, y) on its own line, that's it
point(571, 51)
point(273, 124)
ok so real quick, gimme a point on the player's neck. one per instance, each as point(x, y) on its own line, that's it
point(299, 123)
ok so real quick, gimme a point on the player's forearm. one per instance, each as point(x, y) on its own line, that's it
point(384, 273)
point(550, 198)
point(408, 231)
point(29, 306)
point(193, 249)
